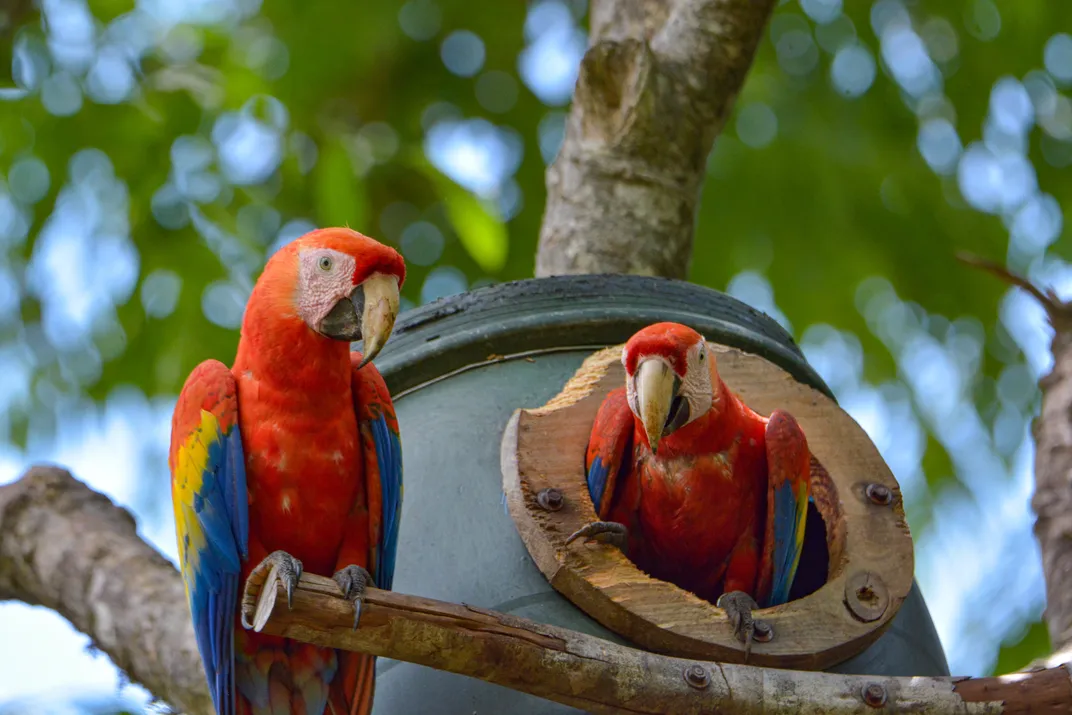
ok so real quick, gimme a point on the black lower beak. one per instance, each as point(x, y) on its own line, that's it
point(343, 321)
point(679, 412)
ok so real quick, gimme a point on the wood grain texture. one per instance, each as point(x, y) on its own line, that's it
point(586, 672)
point(1040, 692)
point(870, 546)
point(601, 677)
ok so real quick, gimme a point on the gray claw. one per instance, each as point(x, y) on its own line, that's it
point(352, 582)
point(290, 571)
point(739, 606)
point(608, 532)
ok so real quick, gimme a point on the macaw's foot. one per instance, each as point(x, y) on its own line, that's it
point(609, 532)
point(352, 581)
point(288, 570)
point(739, 606)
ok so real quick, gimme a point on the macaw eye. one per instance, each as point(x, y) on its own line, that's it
point(703, 353)
point(325, 263)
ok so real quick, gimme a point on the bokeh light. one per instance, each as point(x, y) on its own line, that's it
point(152, 160)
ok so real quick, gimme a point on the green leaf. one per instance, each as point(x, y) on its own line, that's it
point(1013, 656)
point(481, 231)
point(339, 194)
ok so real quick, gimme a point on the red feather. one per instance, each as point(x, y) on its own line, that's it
point(310, 490)
point(701, 513)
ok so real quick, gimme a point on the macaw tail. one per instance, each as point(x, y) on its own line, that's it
point(352, 691)
point(276, 676)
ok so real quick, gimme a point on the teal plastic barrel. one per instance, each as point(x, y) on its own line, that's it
point(458, 369)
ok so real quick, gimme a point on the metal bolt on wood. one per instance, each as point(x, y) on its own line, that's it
point(879, 494)
point(874, 695)
point(550, 499)
point(696, 676)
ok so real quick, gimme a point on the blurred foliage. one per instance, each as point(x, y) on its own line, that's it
point(1015, 655)
point(155, 154)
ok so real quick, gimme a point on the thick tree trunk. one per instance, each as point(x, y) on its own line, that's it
point(1053, 459)
point(655, 87)
point(1053, 488)
point(1053, 480)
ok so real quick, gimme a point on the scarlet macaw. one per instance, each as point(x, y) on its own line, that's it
point(292, 458)
point(693, 485)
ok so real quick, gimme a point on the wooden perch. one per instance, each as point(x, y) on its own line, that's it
point(66, 547)
point(602, 677)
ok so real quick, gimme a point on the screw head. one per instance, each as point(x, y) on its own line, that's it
point(762, 632)
point(866, 596)
point(879, 494)
point(550, 499)
point(696, 676)
point(874, 695)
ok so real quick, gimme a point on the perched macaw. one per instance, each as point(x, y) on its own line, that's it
point(292, 458)
point(693, 485)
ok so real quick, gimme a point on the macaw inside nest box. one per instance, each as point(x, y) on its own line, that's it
point(855, 568)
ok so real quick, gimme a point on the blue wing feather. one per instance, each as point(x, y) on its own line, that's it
point(215, 589)
point(235, 492)
point(786, 548)
point(389, 457)
point(597, 480)
point(376, 413)
point(609, 449)
point(211, 510)
point(788, 495)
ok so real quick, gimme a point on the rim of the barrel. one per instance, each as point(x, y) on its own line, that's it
point(580, 312)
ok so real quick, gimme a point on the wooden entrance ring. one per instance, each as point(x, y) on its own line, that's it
point(867, 537)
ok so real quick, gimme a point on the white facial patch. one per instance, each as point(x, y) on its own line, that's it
point(324, 278)
point(696, 385)
point(631, 389)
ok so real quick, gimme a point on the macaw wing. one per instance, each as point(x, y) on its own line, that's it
point(610, 447)
point(208, 492)
point(788, 486)
point(382, 450)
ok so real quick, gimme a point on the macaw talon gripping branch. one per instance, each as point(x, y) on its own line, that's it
point(352, 582)
point(608, 532)
point(287, 569)
point(739, 606)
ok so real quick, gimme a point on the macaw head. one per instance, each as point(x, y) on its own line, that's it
point(342, 284)
point(667, 378)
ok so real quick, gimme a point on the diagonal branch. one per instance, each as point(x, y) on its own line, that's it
point(601, 677)
point(654, 89)
point(66, 547)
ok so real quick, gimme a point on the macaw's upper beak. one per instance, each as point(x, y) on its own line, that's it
point(662, 409)
point(368, 313)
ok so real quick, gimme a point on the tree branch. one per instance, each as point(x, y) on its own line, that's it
point(601, 677)
point(654, 89)
point(68, 548)
point(1052, 501)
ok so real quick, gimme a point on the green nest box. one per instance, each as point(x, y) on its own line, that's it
point(466, 371)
